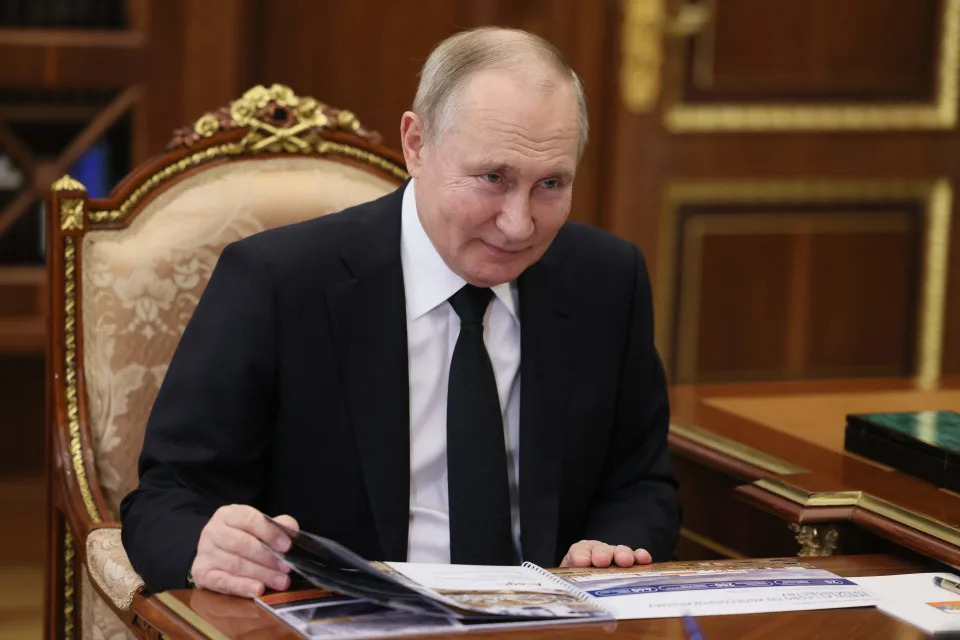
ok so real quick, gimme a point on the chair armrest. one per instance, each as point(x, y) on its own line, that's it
point(109, 567)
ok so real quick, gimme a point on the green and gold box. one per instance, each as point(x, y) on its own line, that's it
point(925, 444)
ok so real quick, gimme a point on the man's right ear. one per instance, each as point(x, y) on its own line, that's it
point(411, 137)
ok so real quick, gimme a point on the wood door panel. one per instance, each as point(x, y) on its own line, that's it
point(741, 327)
point(795, 287)
point(815, 50)
point(864, 293)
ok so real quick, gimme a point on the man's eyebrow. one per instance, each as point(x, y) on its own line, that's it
point(488, 165)
point(562, 173)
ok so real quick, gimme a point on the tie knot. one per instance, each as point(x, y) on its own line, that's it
point(470, 303)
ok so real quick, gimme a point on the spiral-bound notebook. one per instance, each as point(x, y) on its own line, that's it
point(348, 596)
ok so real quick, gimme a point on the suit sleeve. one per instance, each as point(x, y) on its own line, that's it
point(636, 501)
point(207, 435)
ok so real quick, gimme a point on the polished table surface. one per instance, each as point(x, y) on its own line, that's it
point(202, 614)
point(784, 442)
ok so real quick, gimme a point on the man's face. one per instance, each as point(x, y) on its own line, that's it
point(494, 191)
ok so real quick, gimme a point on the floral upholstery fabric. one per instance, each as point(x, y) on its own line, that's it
point(97, 619)
point(110, 568)
point(141, 284)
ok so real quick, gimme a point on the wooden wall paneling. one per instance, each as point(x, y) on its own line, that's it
point(767, 136)
point(88, 59)
point(815, 50)
point(717, 524)
point(775, 280)
point(862, 319)
point(582, 31)
point(365, 55)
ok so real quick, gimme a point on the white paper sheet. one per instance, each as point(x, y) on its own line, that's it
point(915, 599)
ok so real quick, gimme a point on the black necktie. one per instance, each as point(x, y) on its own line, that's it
point(479, 494)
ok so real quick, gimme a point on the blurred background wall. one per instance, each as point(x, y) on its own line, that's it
point(787, 166)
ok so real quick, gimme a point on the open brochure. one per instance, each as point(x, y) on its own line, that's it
point(356, 598)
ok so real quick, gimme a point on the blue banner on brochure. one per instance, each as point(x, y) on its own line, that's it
point(727, 584)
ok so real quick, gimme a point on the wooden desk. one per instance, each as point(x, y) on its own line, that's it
point(755, 459)
point(202, 614)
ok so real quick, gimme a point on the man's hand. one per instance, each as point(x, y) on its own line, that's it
point(588, 553)
point(233, 555)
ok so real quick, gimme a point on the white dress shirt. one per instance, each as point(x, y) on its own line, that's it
point(432, 330)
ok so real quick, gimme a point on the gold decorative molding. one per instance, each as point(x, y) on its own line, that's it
point(71, 214)
point(70, 376)
point(866, 501)
point(66, 183)
point(734, 449)
point(645, 25)
point(69, 586)
point(641, 53)
point(190, 616)
point(815, 541)
point(935, 196)
point(941, 113)
point(933, 303)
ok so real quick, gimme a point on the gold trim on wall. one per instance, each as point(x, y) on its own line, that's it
point(934, 195)
point(867, 502)
point(734, 449)
point(680, 117)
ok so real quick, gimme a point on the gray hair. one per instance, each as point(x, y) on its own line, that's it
point(453, 61)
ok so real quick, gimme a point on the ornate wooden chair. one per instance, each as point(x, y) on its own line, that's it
point(125, 274)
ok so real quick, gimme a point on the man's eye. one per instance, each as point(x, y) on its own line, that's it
point(492, 178)
point(551, 183)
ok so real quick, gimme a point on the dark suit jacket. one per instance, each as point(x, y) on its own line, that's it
point(289, 392)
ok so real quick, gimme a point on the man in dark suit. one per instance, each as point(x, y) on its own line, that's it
point(362, 371)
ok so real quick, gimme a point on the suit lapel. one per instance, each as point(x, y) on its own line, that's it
point(546, 371)
point(369, 326)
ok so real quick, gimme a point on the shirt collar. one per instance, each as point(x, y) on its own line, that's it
point(427, 280)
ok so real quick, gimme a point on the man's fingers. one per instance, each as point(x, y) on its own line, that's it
point(243, 568)
point(223, 582)
point(240, 543)
point(602, 555)
point(598, 554)
point(288, 521)
point(623, 556)
point(248, 519)
point(580, 553)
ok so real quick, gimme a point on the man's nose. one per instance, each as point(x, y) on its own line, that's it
point(515, 221)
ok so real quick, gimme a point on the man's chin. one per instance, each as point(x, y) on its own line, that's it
point(491, 276)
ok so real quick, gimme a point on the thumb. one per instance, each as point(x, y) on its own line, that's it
point(288, 521)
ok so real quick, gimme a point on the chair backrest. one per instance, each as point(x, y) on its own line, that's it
point(127, 271)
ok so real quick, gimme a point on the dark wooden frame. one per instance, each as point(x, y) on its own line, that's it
point(299, 127)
